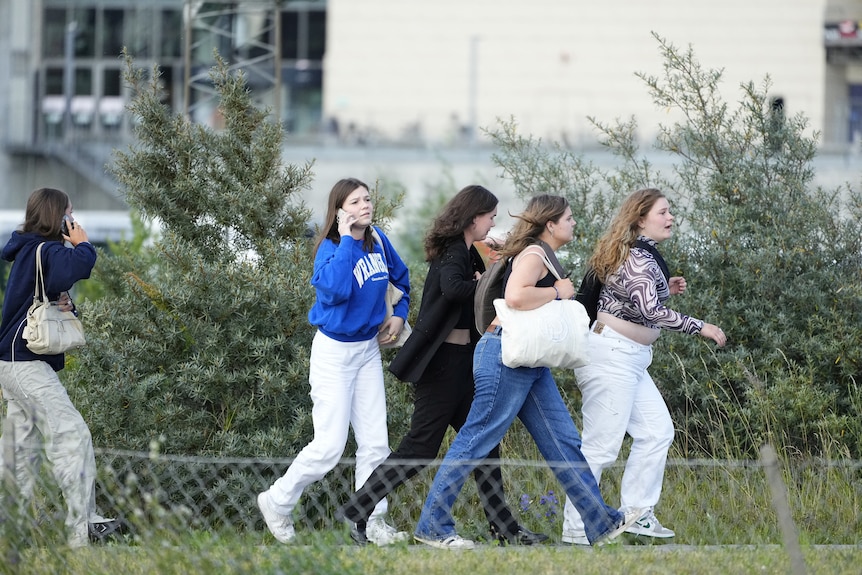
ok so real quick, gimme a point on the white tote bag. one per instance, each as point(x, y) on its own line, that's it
point(552, 335)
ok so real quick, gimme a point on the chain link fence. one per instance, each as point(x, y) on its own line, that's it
point(166, 500)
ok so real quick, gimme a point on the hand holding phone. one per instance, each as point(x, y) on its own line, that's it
point(342, 216)
point(345, 222)
point(65, 226)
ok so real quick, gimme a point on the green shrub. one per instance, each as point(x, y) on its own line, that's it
point(769, 256)
point(202, 338)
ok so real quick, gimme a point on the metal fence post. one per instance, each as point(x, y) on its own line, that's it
point(778, 489)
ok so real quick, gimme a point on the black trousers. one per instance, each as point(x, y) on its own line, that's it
point(442, 398)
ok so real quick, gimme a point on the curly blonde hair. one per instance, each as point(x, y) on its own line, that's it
point(615, 244)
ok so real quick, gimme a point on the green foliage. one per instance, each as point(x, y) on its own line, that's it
point(202, 339)
point(768, 256)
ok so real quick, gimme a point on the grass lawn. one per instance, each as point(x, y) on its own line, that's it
point(414, 559)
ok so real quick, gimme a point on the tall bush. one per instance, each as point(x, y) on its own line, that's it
point(769, 256)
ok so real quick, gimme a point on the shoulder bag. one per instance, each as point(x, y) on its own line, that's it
point(393, 296)
point(552, 335)
point(50, 331)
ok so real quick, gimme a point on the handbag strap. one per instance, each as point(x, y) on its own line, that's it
point(40, 278)
point(545, 259)
point(377, 239)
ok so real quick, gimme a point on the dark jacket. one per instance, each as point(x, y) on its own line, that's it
point(61, 266)
point(448, 286)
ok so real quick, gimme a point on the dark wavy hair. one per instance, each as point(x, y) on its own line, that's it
point(455, 217)
point(337, 196)
point(44, 214)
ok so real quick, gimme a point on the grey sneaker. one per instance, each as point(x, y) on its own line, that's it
point(381, 533)
point(648, 526)
point(575, 538)
point(279, 525)
point(628, 520)
point(454, 542)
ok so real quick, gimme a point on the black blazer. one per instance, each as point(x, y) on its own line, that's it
point(448, 286)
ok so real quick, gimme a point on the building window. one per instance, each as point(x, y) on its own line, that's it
point(54, 32)
point(290, 35)
point(113, 33)
point(83, 81)
point(173, 32)
point(316, 35)
point(85, 37)
point(111, 82)
point(54, 82)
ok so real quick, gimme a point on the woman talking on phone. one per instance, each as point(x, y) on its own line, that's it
point(351, 275)
point(37, 405)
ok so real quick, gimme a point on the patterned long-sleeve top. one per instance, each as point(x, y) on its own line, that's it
point(637, 293)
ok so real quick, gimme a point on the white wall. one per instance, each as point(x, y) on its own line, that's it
point(551, 63)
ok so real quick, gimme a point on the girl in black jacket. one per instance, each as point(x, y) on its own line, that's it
point(438, 359)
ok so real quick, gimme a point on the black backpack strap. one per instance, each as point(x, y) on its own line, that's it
point(588, 294)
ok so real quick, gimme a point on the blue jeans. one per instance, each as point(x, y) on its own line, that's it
point(501, 394)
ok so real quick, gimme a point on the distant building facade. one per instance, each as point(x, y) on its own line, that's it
point(407, 72)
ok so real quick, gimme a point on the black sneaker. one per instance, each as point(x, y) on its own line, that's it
point(522, 537)
point(357, 533)
point(104, 530)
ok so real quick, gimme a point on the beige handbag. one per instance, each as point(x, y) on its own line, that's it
point(50, 331)
point(393, 296)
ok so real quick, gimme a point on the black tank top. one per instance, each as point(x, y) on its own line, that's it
point(548, 281)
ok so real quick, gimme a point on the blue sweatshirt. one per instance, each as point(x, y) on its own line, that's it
point(351, 288)
point(61, 266)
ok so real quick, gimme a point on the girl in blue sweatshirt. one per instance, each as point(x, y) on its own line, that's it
point(351, 275)
point(37, 405)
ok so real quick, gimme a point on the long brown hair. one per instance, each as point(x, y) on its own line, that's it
point(532, 221)
point(44, 214)
point(337, 196)
point(615, 244)
point(455, 217)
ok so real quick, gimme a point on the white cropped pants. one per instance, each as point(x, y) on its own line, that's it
point(346, 381)
point(620, 397)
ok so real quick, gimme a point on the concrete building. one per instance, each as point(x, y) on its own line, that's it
point(407, 73)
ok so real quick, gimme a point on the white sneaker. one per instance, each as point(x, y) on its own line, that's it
point(381, 533)
point(279, 525)
point(575, 538)
point(629, 519)
point(454, 542)
point(648, 526)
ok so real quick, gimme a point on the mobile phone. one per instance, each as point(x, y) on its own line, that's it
point(342, 216)
point(65, 227)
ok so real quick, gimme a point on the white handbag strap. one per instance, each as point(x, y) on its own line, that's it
point(541, 253)
point(40, 278)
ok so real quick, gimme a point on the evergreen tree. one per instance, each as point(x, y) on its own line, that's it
point(202, 339)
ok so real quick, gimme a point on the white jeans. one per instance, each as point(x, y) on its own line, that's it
point(347, 390)
point(41, 412)
point(620, 397)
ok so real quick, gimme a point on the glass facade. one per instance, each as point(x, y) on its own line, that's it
point(153, 32)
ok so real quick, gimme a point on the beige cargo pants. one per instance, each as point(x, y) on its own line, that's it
point(41, 416)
